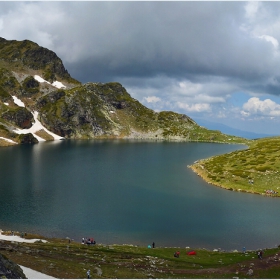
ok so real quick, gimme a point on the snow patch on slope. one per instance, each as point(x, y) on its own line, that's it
point(36, 126)
point(34, 274)
point(9, 140)
point(16, 238)
point(18, 101)
point(56, 84)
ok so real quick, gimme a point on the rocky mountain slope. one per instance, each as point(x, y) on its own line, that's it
point(39, 100)
point(10, 270)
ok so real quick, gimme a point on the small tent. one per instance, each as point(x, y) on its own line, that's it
point(192, 252)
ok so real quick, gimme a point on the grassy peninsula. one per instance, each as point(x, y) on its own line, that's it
point(253, 170)
point(61, 259)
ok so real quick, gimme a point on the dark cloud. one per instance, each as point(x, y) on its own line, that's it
point(177, 39)
point(144, 39)
point(173, 52)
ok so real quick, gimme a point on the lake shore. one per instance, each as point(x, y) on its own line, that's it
point(61, 259)
point(200, 171)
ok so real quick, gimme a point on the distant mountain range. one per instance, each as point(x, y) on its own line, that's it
point(232, 131)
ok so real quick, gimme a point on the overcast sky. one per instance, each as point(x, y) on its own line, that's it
point(218, 61)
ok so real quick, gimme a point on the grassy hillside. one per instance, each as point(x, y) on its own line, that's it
point(96, 110)
point(61, 259)
point(254, 170)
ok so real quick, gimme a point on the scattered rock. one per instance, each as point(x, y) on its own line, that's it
point(250, 272)
point(98, 271)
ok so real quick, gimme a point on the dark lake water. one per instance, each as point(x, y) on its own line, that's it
point(130, 193)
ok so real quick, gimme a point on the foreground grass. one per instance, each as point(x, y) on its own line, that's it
point(254, 170)
point(61, 259)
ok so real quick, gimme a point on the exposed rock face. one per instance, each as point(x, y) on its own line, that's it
point(27, 139)
point(30, 86)
point(10, 270)
point(20, 117)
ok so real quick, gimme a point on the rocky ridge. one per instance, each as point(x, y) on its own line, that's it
point(33, 80)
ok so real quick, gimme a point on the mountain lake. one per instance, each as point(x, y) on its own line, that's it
point(130, 192)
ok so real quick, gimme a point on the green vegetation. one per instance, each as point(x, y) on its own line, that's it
point(8, 82)
point(49, 76)
point(43, 134)
point(30, 86)
point(254, 170)
point(62, 259)
point(4, 95)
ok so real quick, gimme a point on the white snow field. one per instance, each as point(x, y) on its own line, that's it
point(55, 84)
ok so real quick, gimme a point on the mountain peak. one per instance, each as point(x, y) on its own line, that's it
point(27, 54)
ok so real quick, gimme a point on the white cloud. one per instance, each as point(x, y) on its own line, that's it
point(188, 88)
point(198, 107)
point(270, 39)
point(251, 9)
point(32, 21)
point(152, 99)
point(255, 106)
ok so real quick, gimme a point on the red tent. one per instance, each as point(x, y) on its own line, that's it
point(191, 253)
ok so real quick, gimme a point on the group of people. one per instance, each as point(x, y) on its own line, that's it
point(88, 241)
point(270, 192)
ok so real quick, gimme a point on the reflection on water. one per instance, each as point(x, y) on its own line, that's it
point(129, 192)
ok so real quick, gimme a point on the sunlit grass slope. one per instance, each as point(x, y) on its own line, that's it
point(254, 170)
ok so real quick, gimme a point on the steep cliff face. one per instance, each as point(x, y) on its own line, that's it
point(33, 81)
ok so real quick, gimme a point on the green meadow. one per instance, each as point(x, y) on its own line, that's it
point(255, 169)
point(61, 259)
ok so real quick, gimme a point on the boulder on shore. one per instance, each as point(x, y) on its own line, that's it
point(10, 270)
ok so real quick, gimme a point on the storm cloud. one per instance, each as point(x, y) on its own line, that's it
point(191, 57)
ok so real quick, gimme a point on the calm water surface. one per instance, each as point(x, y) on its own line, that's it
point(129, 192)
